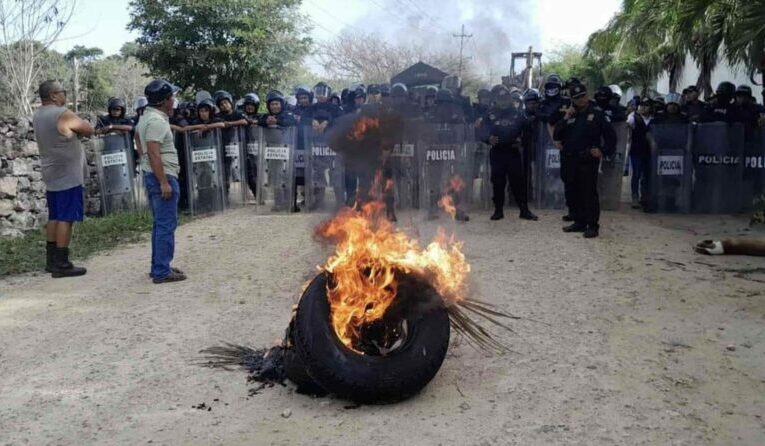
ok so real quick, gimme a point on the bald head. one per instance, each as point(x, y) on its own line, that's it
point(52, 91)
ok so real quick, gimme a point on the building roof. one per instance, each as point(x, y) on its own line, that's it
point(419, 74)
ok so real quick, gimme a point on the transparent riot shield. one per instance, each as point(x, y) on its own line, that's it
point(754, 167)
point(252, 151)
point(671, 173)
point(276, 169)
point(443, 163)
point(403, 169)
point(234, 174)
point(718, 164)
point(324, 174)
point(115, 163)
point(612, 170)
point(549, 192)
point(205, 176)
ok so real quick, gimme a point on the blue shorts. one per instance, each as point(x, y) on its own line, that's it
point(66, 205)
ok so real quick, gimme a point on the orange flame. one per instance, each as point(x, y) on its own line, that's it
point(369, 252)
point(456, 184)
point(362, 126)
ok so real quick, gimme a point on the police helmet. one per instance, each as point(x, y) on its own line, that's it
point(158, 90)
point(444, 95)
point(603, 95)
point(673, 98)
point(616, 91)
point(208, 104)
point(399, 90)
point(431, 91)
point(725, 89)
point(304, 90)
point(322, 89)
point(116, 103)
point(531, 95)
point(385, 90)
point(140, 102)
point(373, 89)
point(452, 83)
point(222, 95)
point(275, 95)
point(744, 90)
point(252, 99)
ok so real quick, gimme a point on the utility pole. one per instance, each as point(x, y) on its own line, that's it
point(462, 36)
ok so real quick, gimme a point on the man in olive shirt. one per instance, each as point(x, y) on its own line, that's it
point(160, 166)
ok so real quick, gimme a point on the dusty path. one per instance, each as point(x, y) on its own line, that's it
point(631, 347)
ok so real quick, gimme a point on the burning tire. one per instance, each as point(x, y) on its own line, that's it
point(400, 354)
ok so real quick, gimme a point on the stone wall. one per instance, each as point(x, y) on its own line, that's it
point(22, 193)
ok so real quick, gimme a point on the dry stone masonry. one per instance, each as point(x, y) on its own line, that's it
point(22, 192)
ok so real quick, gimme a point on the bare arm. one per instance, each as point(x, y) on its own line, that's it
point(138, 147)
point(69, 124)
point(236, 123)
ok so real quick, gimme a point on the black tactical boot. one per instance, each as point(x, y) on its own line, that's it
point(567, 217)
point(49, 249)
point(498, 214)
point(461, 215)
point(576, 227)
point(62, 267)
point(591, 231)
point(526, 214)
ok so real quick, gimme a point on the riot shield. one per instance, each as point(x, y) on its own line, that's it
point(754, 167)
point(444, 166)
point(252, 151)
point(670, 176)
point(116, 171)
point(205, 176)
point(612, 170)
point(324, 172)
point(481, 175)
point(276, 169)
point(718, 151)
point(549, 192)
point(234, 169)
point(403, 169)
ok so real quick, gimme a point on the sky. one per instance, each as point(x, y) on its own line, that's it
point(498, 27)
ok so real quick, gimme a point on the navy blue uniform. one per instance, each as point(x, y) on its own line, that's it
point(587, 129)
point(511, 128)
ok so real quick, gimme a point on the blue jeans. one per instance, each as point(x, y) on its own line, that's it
point(640, 176)
point(165, 214)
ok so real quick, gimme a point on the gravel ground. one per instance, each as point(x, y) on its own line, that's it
point(628, 339)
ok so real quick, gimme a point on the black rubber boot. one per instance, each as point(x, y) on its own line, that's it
point(49, 248)
point(526, 214)
point(62, 267)
point(576, 227)
point(497, 215)
point(461, 215)
point(567, 217)
point(591, 231)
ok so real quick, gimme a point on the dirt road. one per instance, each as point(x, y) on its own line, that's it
point(635, 340)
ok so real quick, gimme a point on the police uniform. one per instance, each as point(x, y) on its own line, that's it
point(589, 128)
point(510, 127)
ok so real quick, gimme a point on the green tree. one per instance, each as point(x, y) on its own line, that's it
point(237, 45)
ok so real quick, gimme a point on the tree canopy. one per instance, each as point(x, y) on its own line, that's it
point(237, 45)
point(649, 37)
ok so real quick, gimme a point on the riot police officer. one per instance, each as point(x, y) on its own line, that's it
point(139, 105)
point(115, 120)
point(507, 127)
point(552, 109)
point(586, 135)
point(323, 114)
point(672, 113)
point(694, 108)
point(604, 99)
point(251, 111)
point(232, 121)
point(721, 109)
point(746, 110)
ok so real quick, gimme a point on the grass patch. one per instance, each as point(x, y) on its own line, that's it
point(92, 236)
